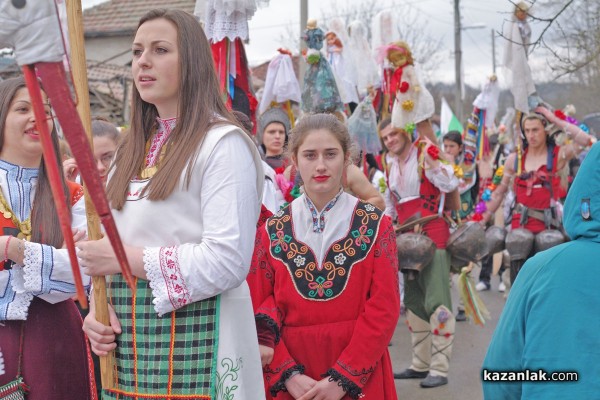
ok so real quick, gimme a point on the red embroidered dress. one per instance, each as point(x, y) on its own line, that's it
point(325, 289)
point(536, 190)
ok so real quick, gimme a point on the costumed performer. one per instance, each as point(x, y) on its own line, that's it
point(538, 186)
point(420, 183)
point(558, 285)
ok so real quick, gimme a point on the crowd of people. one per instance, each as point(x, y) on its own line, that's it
point(265, 259)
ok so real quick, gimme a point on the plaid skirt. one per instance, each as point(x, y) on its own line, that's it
point(168, 357)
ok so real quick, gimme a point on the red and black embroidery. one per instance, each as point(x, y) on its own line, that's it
point(327, 281)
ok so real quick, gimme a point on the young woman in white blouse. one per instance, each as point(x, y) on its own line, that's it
point(185, 193)
point(40, 326)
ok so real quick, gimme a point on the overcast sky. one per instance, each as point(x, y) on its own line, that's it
point(270, 23)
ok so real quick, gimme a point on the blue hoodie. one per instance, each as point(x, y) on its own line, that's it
point(551, 320)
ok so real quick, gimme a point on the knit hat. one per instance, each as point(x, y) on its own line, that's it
point(272, 115)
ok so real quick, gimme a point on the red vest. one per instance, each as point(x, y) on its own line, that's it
point(427, 204)
point(536, 189)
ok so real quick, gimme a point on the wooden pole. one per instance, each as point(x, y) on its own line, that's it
point(80, 81)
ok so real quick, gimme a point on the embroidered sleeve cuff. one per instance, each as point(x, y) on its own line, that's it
point(279, 386)
point(166, 280)
point(352, 389)
point(32, 267)
point(266, 323)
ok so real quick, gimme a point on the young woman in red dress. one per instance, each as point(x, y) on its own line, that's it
point(324, 280)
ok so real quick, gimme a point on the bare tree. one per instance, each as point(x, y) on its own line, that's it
point(570, 36)
point(575, 42)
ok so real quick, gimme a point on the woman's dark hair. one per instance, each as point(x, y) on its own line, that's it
point(45, 226)
point(453, 136)
point(200, 107)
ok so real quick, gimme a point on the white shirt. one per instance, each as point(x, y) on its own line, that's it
point(404, 183)
point(46, 272)
point(333, 227)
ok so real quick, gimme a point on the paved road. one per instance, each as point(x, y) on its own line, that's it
point(470, 345)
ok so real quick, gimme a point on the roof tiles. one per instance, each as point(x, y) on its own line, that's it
point(120, 17)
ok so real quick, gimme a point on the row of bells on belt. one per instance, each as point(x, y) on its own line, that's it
point(471, 243)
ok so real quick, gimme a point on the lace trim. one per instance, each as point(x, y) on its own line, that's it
point(219, 25)
point(279, 386)
point(19, 307)
point(32, 267)
point(271, 324)
point(351, 388)
point(157, 283)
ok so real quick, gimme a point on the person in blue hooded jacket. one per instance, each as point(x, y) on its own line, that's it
point(551, 321)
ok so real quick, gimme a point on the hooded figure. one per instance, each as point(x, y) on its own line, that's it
point(550, 320)
point(272, 134)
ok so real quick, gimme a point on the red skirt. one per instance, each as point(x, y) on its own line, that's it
point(330, 340)
point(56, 360)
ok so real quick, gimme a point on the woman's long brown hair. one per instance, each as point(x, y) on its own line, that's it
point(45, 226)
point(200, 108)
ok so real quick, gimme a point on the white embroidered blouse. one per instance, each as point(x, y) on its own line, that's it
point(198, 243)
point(320, 230)
point(46, 271)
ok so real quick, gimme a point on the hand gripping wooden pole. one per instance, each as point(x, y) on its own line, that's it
point(80, 81)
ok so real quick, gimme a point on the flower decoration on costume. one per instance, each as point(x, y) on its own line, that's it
point(339, 259)
point(458, 171)
point(408, 105)
point(382, 185)
point(560, 115)
point(584, 128)
point(481, 207)
point(299, 261)
point(410, 128)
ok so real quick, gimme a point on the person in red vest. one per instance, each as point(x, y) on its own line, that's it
point(418, 184)
point(538, 187)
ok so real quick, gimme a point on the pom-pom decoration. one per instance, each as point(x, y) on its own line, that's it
point(458, 172)
point(408, 105)
point(487, 195)
point(560, 115)
point(433, 152)
point(480, 208)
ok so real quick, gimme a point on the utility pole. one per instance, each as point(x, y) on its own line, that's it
point(303, 19)
point(457, 61)
point(493, 51)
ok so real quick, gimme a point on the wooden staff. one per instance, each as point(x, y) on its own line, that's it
point(80, 81)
